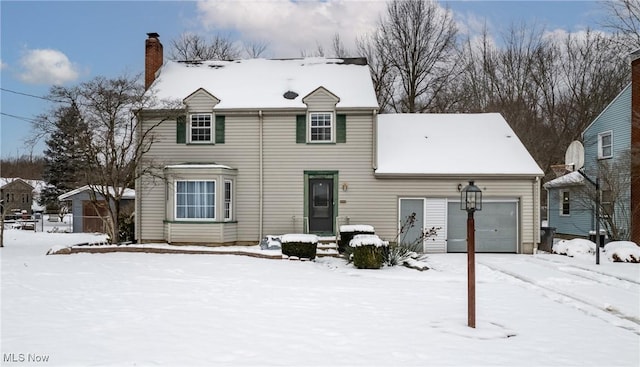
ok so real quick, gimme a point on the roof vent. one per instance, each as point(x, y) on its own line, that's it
point(290, 95)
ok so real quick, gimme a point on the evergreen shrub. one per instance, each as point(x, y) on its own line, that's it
point(302, 250)
point(303, 246)
point(368, 251)
point(348, 232)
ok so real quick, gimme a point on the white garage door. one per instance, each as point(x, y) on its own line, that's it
point(496, 227)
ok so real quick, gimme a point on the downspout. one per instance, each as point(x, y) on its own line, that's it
point(260, 175)
point(536, 216)
point(374, 148)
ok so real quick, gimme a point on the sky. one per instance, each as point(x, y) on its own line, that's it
point(46, 43)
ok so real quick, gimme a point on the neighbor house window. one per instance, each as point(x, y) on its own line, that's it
point(201, 128)
point(565, 203)
point(605, 145)
point(228, 194)
point(195, 200)
point(321, 126)
point(606, 204)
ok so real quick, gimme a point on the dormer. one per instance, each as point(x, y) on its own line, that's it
point(200, 101)
point(200, 124)
point(321, 124)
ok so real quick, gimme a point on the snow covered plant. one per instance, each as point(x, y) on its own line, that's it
point(301, 246)
point(404, 250)
point(368, 251)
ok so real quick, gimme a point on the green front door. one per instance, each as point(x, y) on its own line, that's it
point(320, 205)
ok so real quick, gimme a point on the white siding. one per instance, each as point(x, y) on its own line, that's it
point(436, 216)
point(201, 101)
point(367, 199)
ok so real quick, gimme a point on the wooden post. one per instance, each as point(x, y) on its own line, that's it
point(471, 270)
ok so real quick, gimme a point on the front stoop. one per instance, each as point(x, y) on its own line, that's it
point(327, 247)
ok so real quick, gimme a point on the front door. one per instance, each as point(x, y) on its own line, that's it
point(320, 205)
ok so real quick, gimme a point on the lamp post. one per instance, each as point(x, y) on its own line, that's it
point(471, 201)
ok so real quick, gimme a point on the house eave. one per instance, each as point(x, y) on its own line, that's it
point(459, 176)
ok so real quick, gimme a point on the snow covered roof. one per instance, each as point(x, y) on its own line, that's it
point(128, 193)
point(261, 83)
point(37, 185)
point(197, 165)
point(570, 179)
point(451, 144)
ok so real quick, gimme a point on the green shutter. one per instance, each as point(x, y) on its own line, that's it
point(341, 128)
point(301, 129)
point(181, 130)
point(219, 129)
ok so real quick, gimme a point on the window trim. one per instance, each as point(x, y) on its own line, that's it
point(601, 147)
point(562, 213)
point(212, 130)
point(332, 126)
point(175, 201)
point(228, 201)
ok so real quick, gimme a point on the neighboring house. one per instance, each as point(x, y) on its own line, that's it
point(291, 146)
point(17, 195)
point(607, 154)
point(88, 216)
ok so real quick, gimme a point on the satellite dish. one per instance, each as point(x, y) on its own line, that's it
point(574, 156)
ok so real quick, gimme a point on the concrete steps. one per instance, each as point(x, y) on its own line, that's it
point(327, 247)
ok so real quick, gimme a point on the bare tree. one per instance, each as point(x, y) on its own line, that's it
point(255, 49)
point(117, 144)
point(416, 38)
point(623, 18)
point(193, 47)
point(338, 47)
point(381, 72)
point(548, 88)
point(615, 206)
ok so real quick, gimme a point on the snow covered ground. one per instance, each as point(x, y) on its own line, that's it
point(124, 309)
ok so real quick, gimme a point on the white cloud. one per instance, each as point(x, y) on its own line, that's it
point(290, 27)
point(3, 65)
point(47, 66)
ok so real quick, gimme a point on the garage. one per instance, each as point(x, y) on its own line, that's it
point(496, 227)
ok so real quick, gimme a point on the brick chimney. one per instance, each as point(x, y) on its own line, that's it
point(152, 58)
point(635, 147)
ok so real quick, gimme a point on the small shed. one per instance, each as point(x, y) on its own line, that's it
point(87, 216)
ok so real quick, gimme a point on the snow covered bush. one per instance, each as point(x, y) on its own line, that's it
point(368, 251)
point(574, 247)
point(302, 246)
point(347, 232)
point(622, 251)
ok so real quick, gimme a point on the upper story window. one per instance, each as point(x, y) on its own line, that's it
point(605, 145)
point(201, 128)
point(321, 127)
point(565, 203)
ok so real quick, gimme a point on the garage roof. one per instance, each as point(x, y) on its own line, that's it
point(451, 144)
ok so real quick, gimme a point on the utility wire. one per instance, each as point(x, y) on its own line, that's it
point(32, 96)
point(18, 117)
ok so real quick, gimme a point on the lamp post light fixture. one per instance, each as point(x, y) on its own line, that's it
point(471, 201)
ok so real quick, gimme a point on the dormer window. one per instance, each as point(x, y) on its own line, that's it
point(201, 128)
point(321, 127)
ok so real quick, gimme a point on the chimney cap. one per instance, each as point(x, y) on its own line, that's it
point(153, 35)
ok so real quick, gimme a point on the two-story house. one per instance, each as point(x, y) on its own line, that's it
point(608, 156)
point(297, 146)
point(17, 195)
